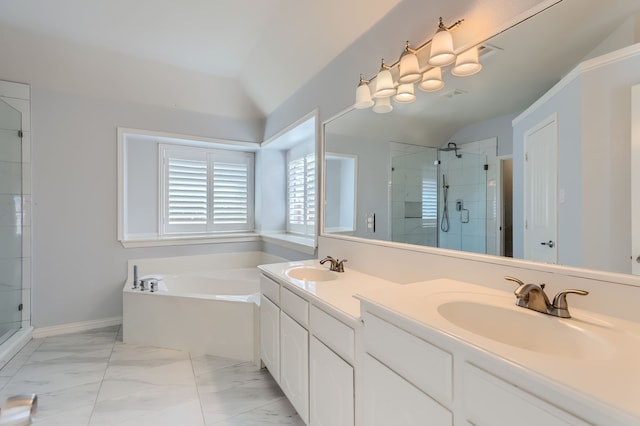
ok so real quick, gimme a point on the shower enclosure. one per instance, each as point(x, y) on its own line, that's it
point(10, 221)
point(439, 197)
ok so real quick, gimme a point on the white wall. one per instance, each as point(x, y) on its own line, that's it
point(78, 265)
point(499, 127)
point(374, 196)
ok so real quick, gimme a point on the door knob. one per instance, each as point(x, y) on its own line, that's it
point(548, 243)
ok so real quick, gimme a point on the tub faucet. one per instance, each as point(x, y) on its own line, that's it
point(145, 282)
point(336, 265)
point(532, 296)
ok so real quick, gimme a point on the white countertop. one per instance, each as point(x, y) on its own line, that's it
point(606, 375)
point(337, 294)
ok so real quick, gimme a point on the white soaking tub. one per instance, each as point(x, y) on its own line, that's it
point(201, 304)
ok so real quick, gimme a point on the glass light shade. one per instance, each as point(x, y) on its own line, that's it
point(409, 68)
point(384, 84)
point(383, 105)
point(363, 96)
point(432, 80)
point(405, 94)
point(442, 53)
point(467, 63)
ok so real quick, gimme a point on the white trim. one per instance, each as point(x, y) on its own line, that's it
point(300, 243)
point(153, 241)
point(315, 113)
point(181, 139)
point(75, 327)
point(14, 344)
point(578, 71)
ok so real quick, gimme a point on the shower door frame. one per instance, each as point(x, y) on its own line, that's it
point(18, 96)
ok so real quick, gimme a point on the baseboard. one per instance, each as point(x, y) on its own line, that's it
point(13, 345)
point(75, 327)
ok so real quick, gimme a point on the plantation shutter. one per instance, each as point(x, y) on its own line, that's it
point(301, 195)
point(206, 191)
point(187, 192)
point(429, 203)
point(310, 182)
point(230, 193)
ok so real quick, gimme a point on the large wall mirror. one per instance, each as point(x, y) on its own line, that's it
point(449, 169)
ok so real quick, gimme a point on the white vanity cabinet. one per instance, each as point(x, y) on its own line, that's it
point(294, 372)
point(488, 399)
point(310, 354)
point(409, 377)
point(406, 379)
point(270, 326)
point(331, 374)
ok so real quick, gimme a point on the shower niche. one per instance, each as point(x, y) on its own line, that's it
point(447, 197)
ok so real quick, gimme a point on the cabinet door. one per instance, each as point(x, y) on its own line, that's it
point(490, 400)
point(294, 364)
point(331, 387)
point(270, 336)
point(391, 400)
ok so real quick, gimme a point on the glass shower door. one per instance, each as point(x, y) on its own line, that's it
point(10, 221)
point(463, 223)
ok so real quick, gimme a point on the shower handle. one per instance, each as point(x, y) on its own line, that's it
point(548, 243)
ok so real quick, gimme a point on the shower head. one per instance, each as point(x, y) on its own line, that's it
point(451, 146)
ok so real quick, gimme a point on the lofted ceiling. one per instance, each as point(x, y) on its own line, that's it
point(270, 47)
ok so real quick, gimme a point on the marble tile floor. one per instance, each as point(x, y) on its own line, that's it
point(93, 378)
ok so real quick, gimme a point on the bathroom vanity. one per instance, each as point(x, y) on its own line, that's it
point(351, 348)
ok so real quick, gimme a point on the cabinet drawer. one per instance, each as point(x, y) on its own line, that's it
point(333, 333)
point(490, 400)
point(270, 288)
point(391, 400)
point(295, 306)
point(426, 366)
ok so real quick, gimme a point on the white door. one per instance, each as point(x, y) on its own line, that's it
point(294, 364)
point(331, 387)
point(270, 336)
point(541, 216)
point(635, 180)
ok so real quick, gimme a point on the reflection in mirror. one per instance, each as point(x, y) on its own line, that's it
point(448, 170)
point(340, 193)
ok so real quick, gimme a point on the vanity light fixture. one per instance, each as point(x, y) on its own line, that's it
point(428, 77)
point(432, 80)
point(409, 67)
point(442, 53)
point(383, 105)
point(467, 63)
point(405, 93)
point(363, 95)
point(384, 82)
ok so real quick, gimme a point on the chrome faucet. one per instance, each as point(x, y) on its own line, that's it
point(532, 296)
point(336, 265)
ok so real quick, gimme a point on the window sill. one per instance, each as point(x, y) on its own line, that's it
point(305, 245)
point(178, 240)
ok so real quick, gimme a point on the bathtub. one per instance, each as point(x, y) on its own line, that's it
point(203, 304)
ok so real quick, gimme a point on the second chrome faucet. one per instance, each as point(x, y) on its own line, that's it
point(532, 296)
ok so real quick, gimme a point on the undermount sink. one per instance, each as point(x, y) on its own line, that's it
point(310, 273)
point(525, 329)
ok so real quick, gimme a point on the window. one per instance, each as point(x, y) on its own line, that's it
point(429, 203)
point(301, 193)
point(205, 191)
